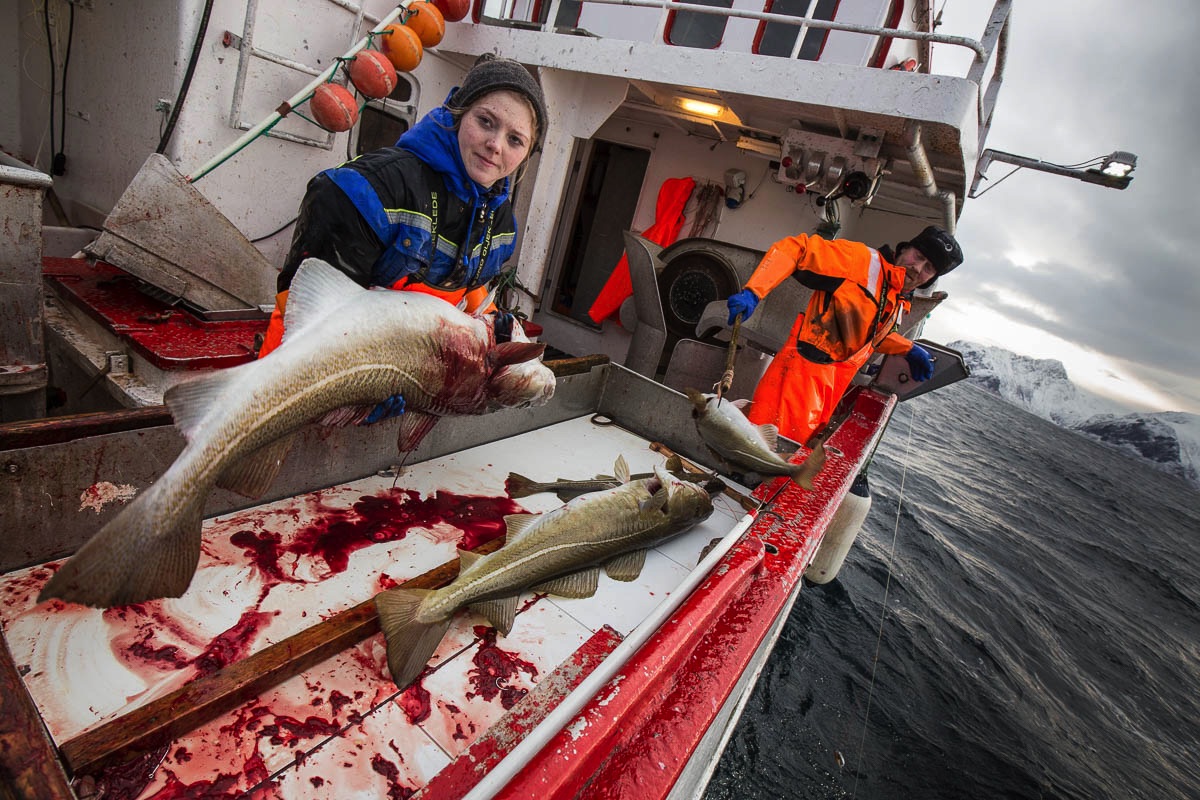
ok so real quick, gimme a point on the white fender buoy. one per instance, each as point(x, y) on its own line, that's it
point(843, 530)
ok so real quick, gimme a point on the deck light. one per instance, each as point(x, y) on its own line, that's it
point(1118, 164)
point(702, 108)
point(1114, 170)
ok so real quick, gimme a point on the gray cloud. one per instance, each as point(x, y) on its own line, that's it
point(1121, 269)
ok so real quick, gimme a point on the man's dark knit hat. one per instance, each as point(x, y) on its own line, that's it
point(939, 247)
point(491, 73)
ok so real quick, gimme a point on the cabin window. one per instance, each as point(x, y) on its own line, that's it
point(694, 29)
point(568, 13)
point(383, 121)
point(885, 43)
point(778, 39)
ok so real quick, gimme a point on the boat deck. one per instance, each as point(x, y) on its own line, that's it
point(342, 729)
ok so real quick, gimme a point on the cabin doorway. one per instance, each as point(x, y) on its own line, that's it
point(607, 196)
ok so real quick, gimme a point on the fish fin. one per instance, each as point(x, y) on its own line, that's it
point(516, 352)
point(499, 613)
point(654, 502)
point(621, 469)
point(346, 416)
point(253, 475)
point(317, 290)
point(519, 486)
point(598, 478)
point(627, 566)
point(741, 404)
point(803, 474)
point(576, 585)
point(132, 559)
point(466, 559)
point(414, 427)
point(190, 401)
point(770, 434)
point(699, 401)
point(410, 644)
point(674, 463)
point(517, 525)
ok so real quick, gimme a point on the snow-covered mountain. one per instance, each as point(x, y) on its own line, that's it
point(1170, 440)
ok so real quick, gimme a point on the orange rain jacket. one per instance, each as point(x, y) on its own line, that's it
point(853, 312)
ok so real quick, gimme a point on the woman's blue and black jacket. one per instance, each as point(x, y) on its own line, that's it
point(377, 218)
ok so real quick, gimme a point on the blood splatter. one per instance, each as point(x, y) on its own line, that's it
point(494, 668)
point(396, 791)
point(386, 516)
point(415, 702)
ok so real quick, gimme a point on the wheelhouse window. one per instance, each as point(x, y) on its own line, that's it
point(695, 29)
point(778, 39)
point(383, 121)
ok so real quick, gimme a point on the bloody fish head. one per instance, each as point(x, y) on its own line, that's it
point(687, 502)
point(519, 379)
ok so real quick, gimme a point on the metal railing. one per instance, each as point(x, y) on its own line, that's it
point(993, 42)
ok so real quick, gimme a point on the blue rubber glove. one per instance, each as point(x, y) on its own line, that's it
point(502, 325)
point(920, 365)
point(744, 303)
point(392, 407)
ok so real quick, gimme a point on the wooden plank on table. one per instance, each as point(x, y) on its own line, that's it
point(29, 765)
point(54, 430)
point(204, 699)
point(562, 367)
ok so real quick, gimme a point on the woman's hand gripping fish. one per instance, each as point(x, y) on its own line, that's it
point(559, 552)
point(345, 350)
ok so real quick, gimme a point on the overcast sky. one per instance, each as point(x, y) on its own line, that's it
point(1106, 281)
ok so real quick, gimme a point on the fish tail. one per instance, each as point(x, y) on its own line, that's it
point(410, 643)
point(520, 486)
point(804, 473)
point(137, 556)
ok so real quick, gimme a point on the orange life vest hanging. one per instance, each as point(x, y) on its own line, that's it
point(672, 197)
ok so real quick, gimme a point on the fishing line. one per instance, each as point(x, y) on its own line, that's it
point(883, 611)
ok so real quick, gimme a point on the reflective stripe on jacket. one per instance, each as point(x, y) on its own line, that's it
point(856, 296)
point(373, 218)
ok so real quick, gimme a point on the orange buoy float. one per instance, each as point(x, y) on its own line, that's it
point(402, 46)
point(453, 10)
point(372, 74)
point(333, 107)
point(427, 21)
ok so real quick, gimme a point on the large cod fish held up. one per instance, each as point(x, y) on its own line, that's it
point(559, 552)
point(726, 431)
point(344, 350)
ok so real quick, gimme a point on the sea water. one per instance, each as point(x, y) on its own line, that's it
point(1019, 618)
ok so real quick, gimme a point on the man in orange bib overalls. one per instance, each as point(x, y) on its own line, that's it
point(858, 297)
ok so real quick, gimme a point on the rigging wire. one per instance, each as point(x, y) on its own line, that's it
point(59, 163)
point(53, 77)
point(1007, 175)
point(197, 46)
point(883, 611)
point(278, 230)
